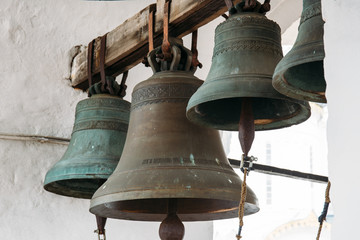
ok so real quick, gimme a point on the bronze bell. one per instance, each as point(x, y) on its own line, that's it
point(247, 49)
point(95, 147)
point(166, 158)
point(300, 74)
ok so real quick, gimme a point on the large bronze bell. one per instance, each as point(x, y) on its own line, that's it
point(96, 144)
point(168, 159)
point(247, 49)
point(300, 74)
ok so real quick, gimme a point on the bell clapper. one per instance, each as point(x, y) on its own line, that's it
point(171, 228)
point(100, 221)
point(246, 126)
point(246, 138)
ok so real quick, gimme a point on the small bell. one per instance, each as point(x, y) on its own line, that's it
point(300, 74)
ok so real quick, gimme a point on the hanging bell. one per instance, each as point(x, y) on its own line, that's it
point(96, 144)
point(300, 74)
point(166, 158)
point(247, 49)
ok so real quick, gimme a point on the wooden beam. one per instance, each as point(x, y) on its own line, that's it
point(128, 43)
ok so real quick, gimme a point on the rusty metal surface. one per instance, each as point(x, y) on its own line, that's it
point(166, 157)
point(95, 147)
point(300, 74)
point(247, 49)
point(166, 47)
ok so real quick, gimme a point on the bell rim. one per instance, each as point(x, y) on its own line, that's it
point(301, 115)
point(100, 205)
point(57, 186)
point(285, 88)
point(233, 213)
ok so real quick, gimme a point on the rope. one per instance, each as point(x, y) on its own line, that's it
point(242, 205)
point(322, 217)
point(327, 193)
point(319, 231)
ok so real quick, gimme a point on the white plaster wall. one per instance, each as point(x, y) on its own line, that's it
point(342, 75)
point(36, 98)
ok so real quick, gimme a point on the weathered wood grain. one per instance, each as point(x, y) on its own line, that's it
point(128, 43)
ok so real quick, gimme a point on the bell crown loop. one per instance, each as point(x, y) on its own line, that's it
point(248, 6)
point(181, 58)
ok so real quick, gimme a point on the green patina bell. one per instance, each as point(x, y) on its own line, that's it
point(247, 50)
point(300, 74)
point(97, 141)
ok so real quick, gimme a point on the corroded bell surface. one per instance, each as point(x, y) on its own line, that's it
point(247, 49)
point(300, 74)
point(96, 144)
point(167, 157)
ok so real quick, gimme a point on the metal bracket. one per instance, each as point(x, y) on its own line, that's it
point(250, 160)
point(270, 170)
point(101, 236)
